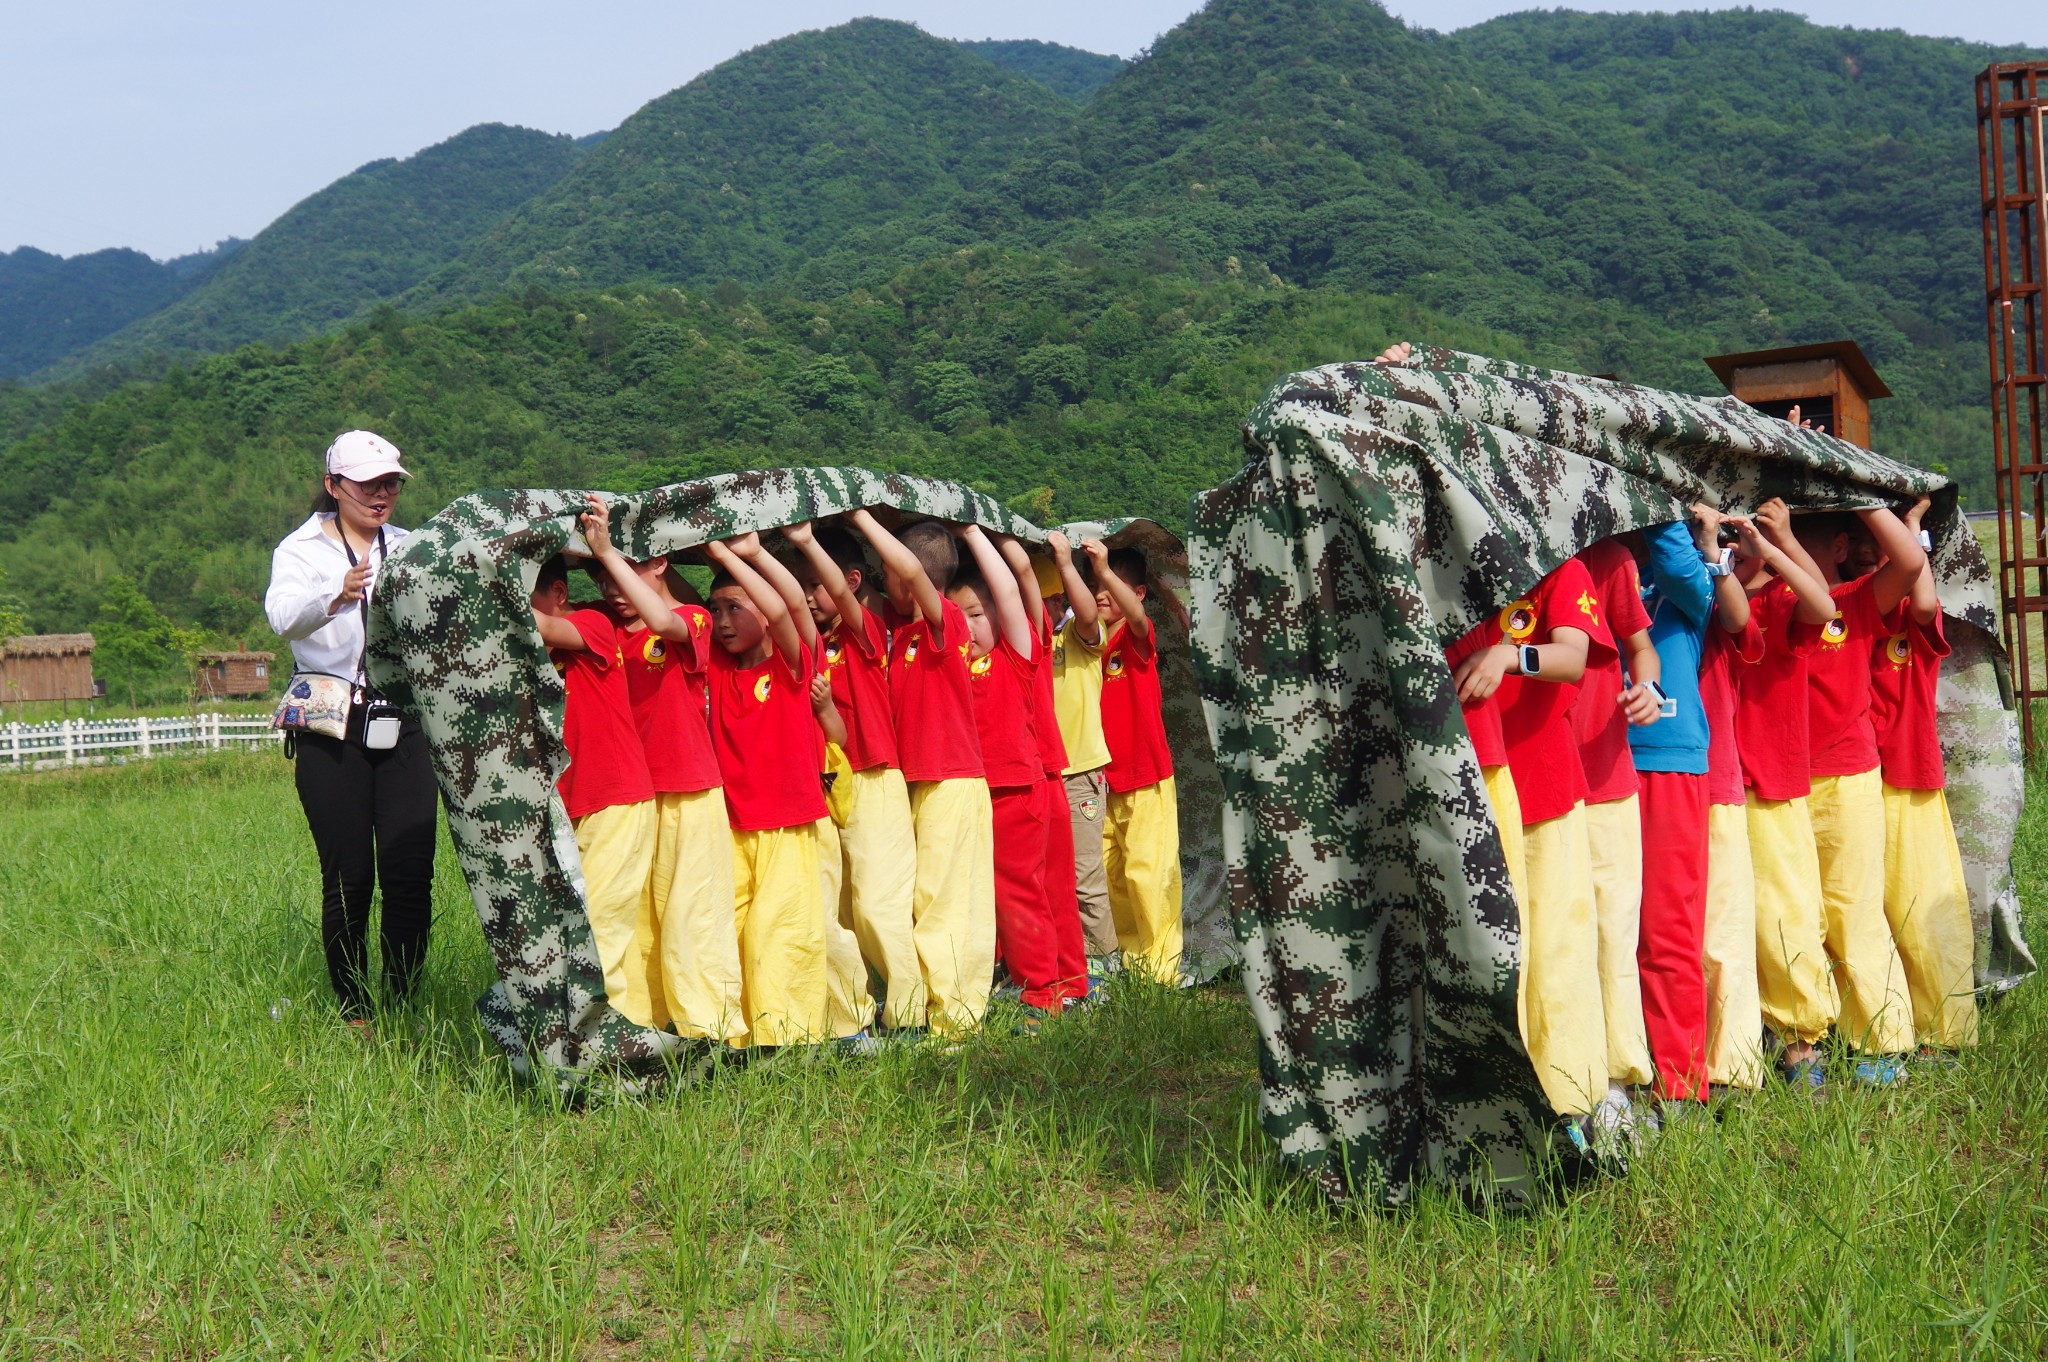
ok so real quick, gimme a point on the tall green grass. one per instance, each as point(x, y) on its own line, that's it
point(182, 1176)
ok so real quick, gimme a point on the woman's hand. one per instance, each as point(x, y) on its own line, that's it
point(354, 583)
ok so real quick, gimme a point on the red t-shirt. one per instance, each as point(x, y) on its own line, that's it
point(1904, 668)
point(1003, 682)
point(1535, 715)
point(1838, 704)
point(1727, 657)
point(1601, 725)
point(606, 763)
point(1133, 721)
point(1482, 717)
point(769, 747)
point(1770, 706)
point(666, 683)
point(1045, 718)
point(933, 702)
point(857, 660)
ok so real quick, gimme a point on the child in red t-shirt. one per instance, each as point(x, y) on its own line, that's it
point(1537, 650)
point(1141, 827)
point(607, 791)
point(953, 912)
point(770, 753)
point(878, 841)
point(1847, 803)
point(1003, 668)
point(686, 958)
point(1925, 897)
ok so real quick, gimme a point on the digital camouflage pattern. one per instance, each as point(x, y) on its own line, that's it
point(1383, 511)
point(452, 640)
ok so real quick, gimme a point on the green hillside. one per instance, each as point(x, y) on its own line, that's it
point(1069, 70)
point(53, 305)
point(368, 236)
point(776, 157)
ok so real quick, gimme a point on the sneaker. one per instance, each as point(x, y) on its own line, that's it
point(1611, 1125)
point(1880, 1071)
point(1807, 1075)
point(1932, 1057)
point(859, 1045)
point(1008, 991)
point(1679, 1111)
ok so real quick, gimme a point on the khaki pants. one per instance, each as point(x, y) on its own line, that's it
point(1848, 834)
point(879, 847)
point(617, 848)
point(689, 905)
point(1507, 817)
point(1795, 986)
point(1614, 834)
point(1141, 861)
point(846, 974)
point(1562, 1023)
point(1735, 1017)
point(1928, 907)
point(953, 912)
point(780, 919)
point(1087, 805)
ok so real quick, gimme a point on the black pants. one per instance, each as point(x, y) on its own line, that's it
point(372, 816)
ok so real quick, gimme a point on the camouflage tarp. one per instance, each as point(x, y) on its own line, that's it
point(1382, 511)
point(452, 639)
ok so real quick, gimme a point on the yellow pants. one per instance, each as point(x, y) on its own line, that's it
point(1848, 834)
point(1141, 861)
point(852, 1006)
point(1507, 817)
point(1614, 832)
point(689, 905)
point(879, 887)
point(617, 848)
point(1735, 1016)
point(1929, 908)
point(953, 911)
point(780, 919)
point(1795, 986)
point(1562, 1023)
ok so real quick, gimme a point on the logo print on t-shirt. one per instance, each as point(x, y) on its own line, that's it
point(1518, 621)
point(1899, 649)
point(654, 649)
point(1113, 665)
point(832, 651)
point(1588, 605)
point(981, 664)
point(910, 651)
point(1834, 631)
point(761, 687)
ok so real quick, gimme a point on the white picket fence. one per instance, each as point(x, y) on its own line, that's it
point(93, 742)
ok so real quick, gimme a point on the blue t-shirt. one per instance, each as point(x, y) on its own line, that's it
point(1679, 597)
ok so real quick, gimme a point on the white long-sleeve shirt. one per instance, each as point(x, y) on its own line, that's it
point(306, 572)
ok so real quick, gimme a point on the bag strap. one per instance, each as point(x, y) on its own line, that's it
point(361, 680)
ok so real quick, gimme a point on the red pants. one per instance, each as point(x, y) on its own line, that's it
point(1671, 950)
point(1024, 935)
point(1063, 893)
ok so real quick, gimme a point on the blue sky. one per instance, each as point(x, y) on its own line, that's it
point(167, 127)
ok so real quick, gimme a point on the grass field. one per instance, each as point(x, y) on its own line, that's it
point(182, 1176)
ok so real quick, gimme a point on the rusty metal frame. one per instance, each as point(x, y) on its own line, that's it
point(2012, 145)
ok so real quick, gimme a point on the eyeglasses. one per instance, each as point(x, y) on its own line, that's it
point(389, 485)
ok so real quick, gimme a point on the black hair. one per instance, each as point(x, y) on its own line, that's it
point(720, 578)
point(969, 578)
point(323, 500)
point(1128, 563)
point(555, 569)
point(936, 550)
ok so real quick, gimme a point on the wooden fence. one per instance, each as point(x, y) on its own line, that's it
point(92, 742)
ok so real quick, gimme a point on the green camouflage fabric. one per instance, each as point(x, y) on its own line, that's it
point(452, 640)
point(1382, 511)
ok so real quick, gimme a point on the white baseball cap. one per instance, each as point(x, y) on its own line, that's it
point(362, 456)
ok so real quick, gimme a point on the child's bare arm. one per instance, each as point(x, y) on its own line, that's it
point(786, 586)
point(1019, 560)
point(1904, 561)
point(1815, 605)
point(830, 575)
point(902, 564)
point(781, 630)
point(1731, 603)
point(654, 612)
point(1002, 589)
point(1774, 520)
point(558, 633)
point(1563, 658)
point(1926, 602)
point(827, 713)
point(1638, 703)
point(1135, 618)
point(1080, 599)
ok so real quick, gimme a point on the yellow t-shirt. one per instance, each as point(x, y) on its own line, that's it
point(1077, 697)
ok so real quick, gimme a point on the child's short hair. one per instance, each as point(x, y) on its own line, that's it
point(719, 578)
point(842, 548)
point(555, 569)
point(1128, 563)
point(969, 578)
point(936, 551)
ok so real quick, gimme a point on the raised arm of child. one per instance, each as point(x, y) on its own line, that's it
point(654, 612)
point(557, 633)
point(1926, 603)
point(731, 556)
point(1904, 559)
point(1731, 602)
point(852, 614)
point(786, 586)
point(824, 711)
point(1019, 560)
point(1011, 621)
point(1774, 521)
point(1815, 605)
point(1135, 618)
point(901, 565)
point(1080, 599)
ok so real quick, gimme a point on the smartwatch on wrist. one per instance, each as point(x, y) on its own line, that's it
point(1530, 661)
point(1722, 566)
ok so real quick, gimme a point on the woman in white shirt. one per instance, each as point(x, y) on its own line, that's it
point(372, 812)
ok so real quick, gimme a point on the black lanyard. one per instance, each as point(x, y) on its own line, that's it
point(363, 602)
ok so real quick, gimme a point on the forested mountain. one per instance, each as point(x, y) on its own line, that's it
point(52, 305)
point(368, 236)
point(1069, 70)
point(769, 161)
point(869, 245)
